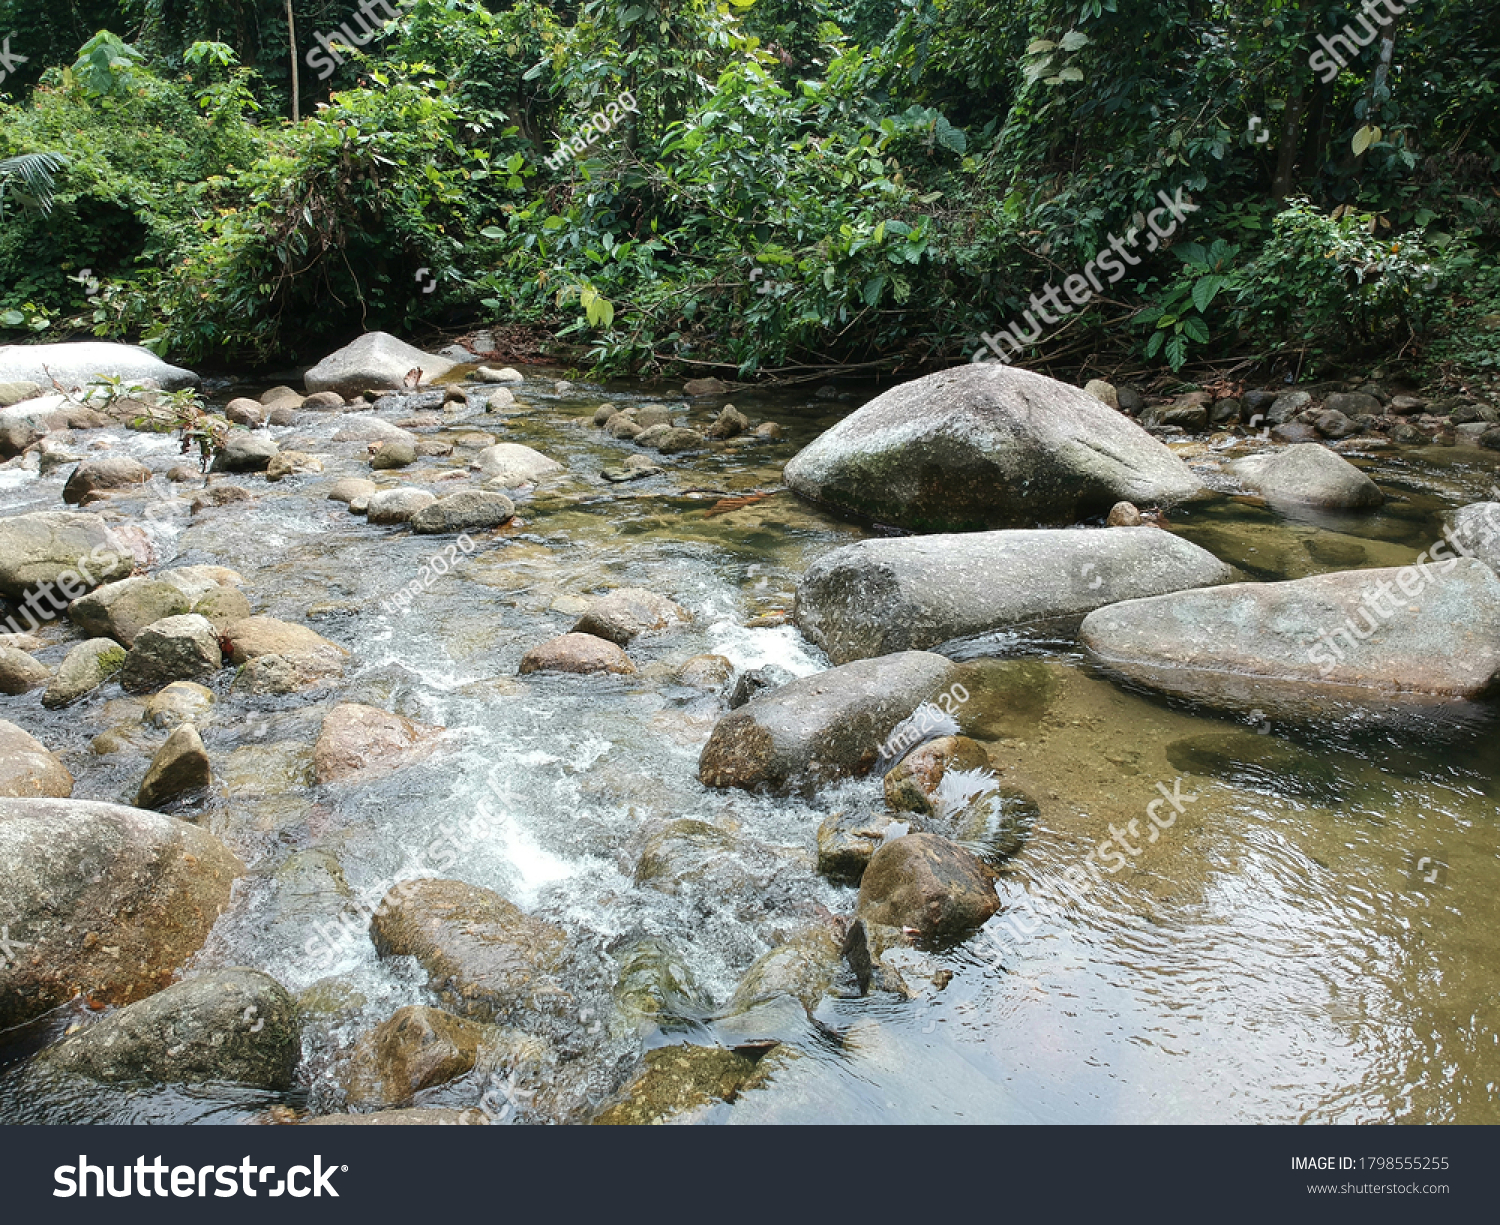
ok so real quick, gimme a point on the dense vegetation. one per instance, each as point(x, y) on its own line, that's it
point(800, 185)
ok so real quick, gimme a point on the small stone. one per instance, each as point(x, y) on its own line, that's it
point(281, 414)
point(180, 702)
point(281, 393)
point(19, 673)
point(324, 402)
point(577, 653)
point(1103, 392)
point(730, 423)
point(351, 487)
point(103, 475)
point(846, 843)
point(245, 412)
point(391, 506)
point(603, 413)
point(505, 374)
point(501, 399)
point(1124, 514)
point(86, 667)
point(628, 612)
point(393, 455)
point(710, 673)
point(769, 430)
point(180, 768)
point(623, 427)
point(174, 649)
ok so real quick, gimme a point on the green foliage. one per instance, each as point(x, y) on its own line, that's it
point(103, 70)
point(1179, 317)
point(28, 177)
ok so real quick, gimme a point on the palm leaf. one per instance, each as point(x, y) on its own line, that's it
point(29, 177)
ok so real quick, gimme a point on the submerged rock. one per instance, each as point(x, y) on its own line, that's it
point(929, 884)
point(1258, 763)
point(986, 447)
point(180, 702)
point(1308, 474)
point(681, 1084)
point(28, 770)
point(391, 506)
point(821, 727)
point(369, 743)
point(1349, 634)
point(485, 958)
point(914, 783)
point(118, 930)
point(878, 596)
point(235, 1026)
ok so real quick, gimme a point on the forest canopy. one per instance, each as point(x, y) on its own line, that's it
point(866, 185)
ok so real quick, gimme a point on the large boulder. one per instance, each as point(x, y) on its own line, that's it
point(122, 610)
point(184, 648)
point(1400, 635)
point(928, 884)
point(822, 727)
point(986, 447)
point(102, 899)
point(28, 770)
point(1475, 530)
point(77, 363)
point(485, 958)
point(102, 476)
point(377, 361)
point(510, 464)
point(235, 1026)
point(84, 668)
point(367, 742)
point(911, 593)
point(1308, 474)
point(69, 550)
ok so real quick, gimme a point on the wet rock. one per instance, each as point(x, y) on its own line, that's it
point(682, 852)
point(280, 394)
point(680, 1084)
point(753, 682)
point(219, 495)
point(419, 1047)
point(122, 610)
point(705, 387)
point(1308, 475)
point(501, 400)
point(180, 768)
point(1124, 514)
point(70, 550)
point(361, 428)
point(769, 431)
point(654, 980)
point(182, 648)
point(368, 742)
point(291, 463)
point(509, 464)
point(986, 447)
point(892, 594)
point(485, 958)
point(803, 968)
point(670, 439)
point(502, 374)
point(929, 884)
point(1286, 406)
point(580, 653)
point(350, 488)
point(28, 770)
point(846, 841)
point(222, 607)
point(1187, 413)
point(1269, 644)
point(84, 669)
point(1225, 411)
point(623, 427)
point(822, 727)
point(1352, 404)
point(913, 784)
point(246, 412)
point(1475, 530)
point(19, 673)
point(377, 361)
point(628, 612)
point(710, 673)
point(391, 506)
point(180, 702)
point(22, 642)
point(730, 423)
point(1294, 433)
point(393, 455)
point(18, 392)
point(1405, 406)
point(246, 452)
point(1333, 424)
point(195, 582)
point(103, 476)
point(281, 414)
point(648, 415)
point(469, 510)
point(416, 1117)
point(118, 931)
point(324, 402)
point(236, 1026)
point(75, 364)
point(1257, 762)
point(280, 657)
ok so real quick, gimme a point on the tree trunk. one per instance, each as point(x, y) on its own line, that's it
point(291, 38)
point(1289, 144)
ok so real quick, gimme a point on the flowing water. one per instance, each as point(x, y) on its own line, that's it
point(1314, 937)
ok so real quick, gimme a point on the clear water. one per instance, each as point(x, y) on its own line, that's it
point(1281, 953)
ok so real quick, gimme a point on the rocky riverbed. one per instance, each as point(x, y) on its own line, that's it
point(506, 750)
